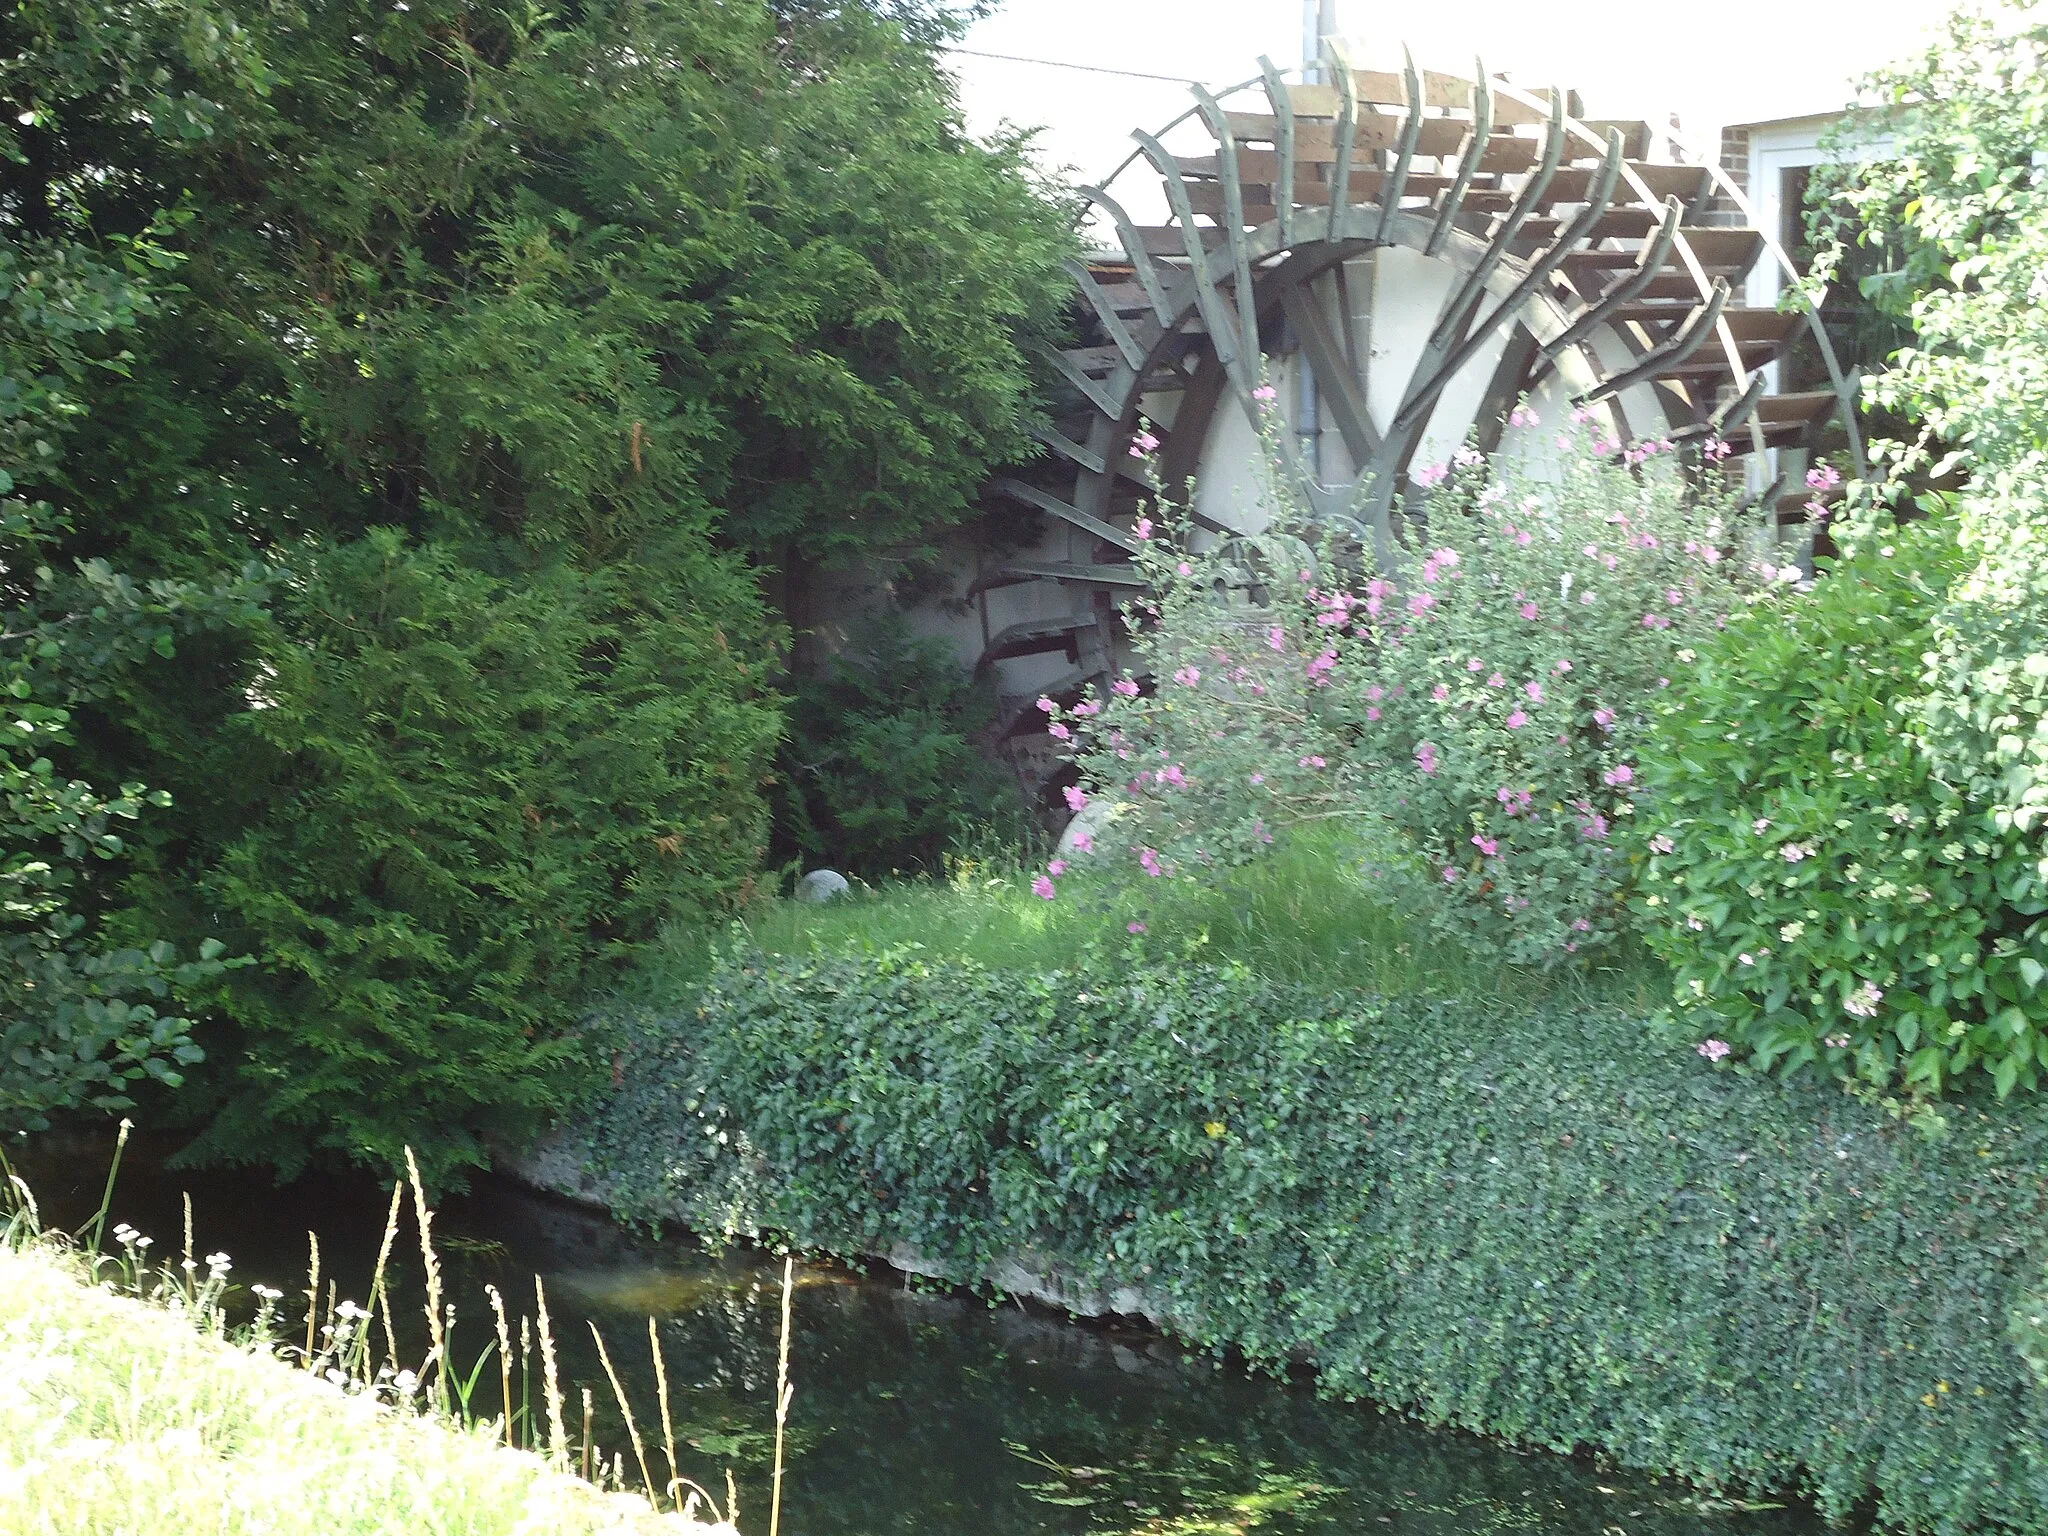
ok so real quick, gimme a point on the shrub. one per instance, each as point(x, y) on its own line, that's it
point(1822, 896)
point(878, 772)
point(1943, 185)
point(1539, 1224)
point(1483, 710)
point(443, 824)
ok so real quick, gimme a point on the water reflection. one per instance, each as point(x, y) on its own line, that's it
point(915, 1412)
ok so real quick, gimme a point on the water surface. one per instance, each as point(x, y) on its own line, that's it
point(915, 1412)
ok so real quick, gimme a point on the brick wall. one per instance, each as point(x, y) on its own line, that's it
point(1718, 208)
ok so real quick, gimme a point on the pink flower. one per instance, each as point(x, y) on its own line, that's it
point(1585, 599)
point(1475, 665)
point(1714, 1050)
point(1056, 868)
point(1823, 477)
point(1171, 775)
point(1187, 677)
point(1143, 528)
point(1619, 775)
point(1531, 612)
point(1761, 824)
point(1083, 843)
point(1580, 925)
point(1440, 692)
point(1662, 844)
point(1276, 637)
point(1534, 690)
point(1134, 927)
point(1523, 538)
point(1185, 569)
point(1076, 797)
point(1497, 681)
point(1517, 720)
point(1794, 852)
point(1447, 558)
point(1143, 444)
point(1561, 666)
point(1311, 762)
point(1372, 712)
point(1485, 845)
point(1421, 603)
point(1148, 859)
point(1425, 758)
point(1043, 887)
point(1450, 874)
point(1059, 732)
point(1604, 718)
point(1673, 596)
point(1048, 706)
point(1125, 687)
point(1265, 393)
point(1258, 778)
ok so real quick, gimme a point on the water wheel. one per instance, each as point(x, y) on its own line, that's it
point(1402, 257)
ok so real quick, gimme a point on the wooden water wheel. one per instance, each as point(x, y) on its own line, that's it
point(1405, 256)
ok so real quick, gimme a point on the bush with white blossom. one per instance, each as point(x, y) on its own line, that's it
point(1822, 895)
point(1479, 712)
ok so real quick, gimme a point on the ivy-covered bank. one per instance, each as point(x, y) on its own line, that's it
point(1548, 1227)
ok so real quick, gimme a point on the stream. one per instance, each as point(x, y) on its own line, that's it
point(916, 1412)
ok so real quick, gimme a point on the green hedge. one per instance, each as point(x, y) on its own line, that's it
point(1549, 1228)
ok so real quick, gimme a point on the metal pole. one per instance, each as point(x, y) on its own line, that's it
point(1318, 22)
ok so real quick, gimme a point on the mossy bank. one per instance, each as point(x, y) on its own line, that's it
point(1553, 1228)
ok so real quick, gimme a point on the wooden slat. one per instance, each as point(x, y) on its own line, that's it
point(1685, 182)
point(1635, 136)
point(1015, 572)
point(1315, 143)
point(1509, 154)
point(1032, 496)
point(1366, 187)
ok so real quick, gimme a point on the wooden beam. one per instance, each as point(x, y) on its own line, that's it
point(1032, 496)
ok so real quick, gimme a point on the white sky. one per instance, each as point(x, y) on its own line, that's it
point(1711, 61)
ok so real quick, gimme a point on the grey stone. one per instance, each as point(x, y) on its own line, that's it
point(1095, 819)
point(821, 885)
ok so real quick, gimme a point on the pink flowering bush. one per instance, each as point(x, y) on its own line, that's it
point(1479, 713)
point(1823, 897)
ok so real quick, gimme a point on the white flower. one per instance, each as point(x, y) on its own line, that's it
point(218, 1264)
point(1791, 931)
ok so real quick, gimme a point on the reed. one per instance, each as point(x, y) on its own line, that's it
point(436, 1330)
point(504, 1357)
point(783, 1393)
point(604, 1356)
point(668, 1426)
point(312, 1291)
point(558, 1436)
point(99, 1220)
point(380, 1293)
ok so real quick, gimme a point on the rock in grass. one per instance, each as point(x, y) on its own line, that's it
point(821, 885)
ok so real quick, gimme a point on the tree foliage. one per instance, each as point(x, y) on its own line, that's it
point(81, 1020)
point(504, 338)
point(880, 772)
point(1948, 184)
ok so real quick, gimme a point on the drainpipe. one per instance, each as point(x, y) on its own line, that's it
point(1318, 21)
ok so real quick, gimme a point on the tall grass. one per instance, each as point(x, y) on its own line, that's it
point(1310, 912)
point(126, 1397)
